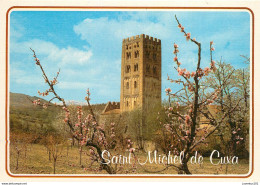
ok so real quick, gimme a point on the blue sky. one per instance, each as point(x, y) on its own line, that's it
point(86, 46)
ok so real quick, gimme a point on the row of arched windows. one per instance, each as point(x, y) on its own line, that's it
point(128, 68)
point(136, 45)
point(128, 84)
point(148, 69)
point(129, 54)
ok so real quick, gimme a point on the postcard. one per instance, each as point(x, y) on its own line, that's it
point(136, 92)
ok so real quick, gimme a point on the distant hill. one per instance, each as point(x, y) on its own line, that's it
point(22, 100)
point(26, 117)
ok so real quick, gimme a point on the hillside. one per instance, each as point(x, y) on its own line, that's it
point(22, 100)
point(26, 117)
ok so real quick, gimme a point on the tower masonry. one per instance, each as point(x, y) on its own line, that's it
point(140, 73)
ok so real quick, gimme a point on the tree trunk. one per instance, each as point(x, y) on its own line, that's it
point(80, 154)
point(54, 165)
point(49, 156)
point(17, 161)
point(184, 169)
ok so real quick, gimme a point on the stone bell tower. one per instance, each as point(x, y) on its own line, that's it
point(140, 73)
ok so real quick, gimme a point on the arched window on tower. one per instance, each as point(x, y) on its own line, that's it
point(154, 70)
point(128, 69)
point(154, 56)
point(127, 85)
point(136, 67)
point(137, 54)
point(135, 84)
point(128, 55)
point(147, 68)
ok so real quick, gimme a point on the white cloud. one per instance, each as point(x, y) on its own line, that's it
point(53, 53)
point(100, 30)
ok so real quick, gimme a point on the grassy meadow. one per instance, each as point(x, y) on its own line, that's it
point(37, 162)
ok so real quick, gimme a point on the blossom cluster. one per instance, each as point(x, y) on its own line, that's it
point(168, 91)
point(37, 102)
point(237, 138)
point(130, 146)
point(46, 93)
point(67, 114)
point(187, 35)
point(87, 98)
point(37, 61)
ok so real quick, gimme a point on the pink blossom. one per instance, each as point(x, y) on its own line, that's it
point(193, 74)
point(180, 73)
point(187, 74)
point(179, 25)
point(91, 152)
point(179, 118)
point(175, 45)
point(112, 124)
point(131, 150)
point(211, 42)
point(168, 90)
point(212, 49)
point(167, 127)
point(187, 118)
point(188, 36)
point(190, 88)
point(170, 108)
point(175, 51)
point(175, 59)
point(87, 98)
point(209, 101)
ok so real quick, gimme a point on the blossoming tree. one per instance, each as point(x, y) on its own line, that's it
point(192, 101)
point(85, 129)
